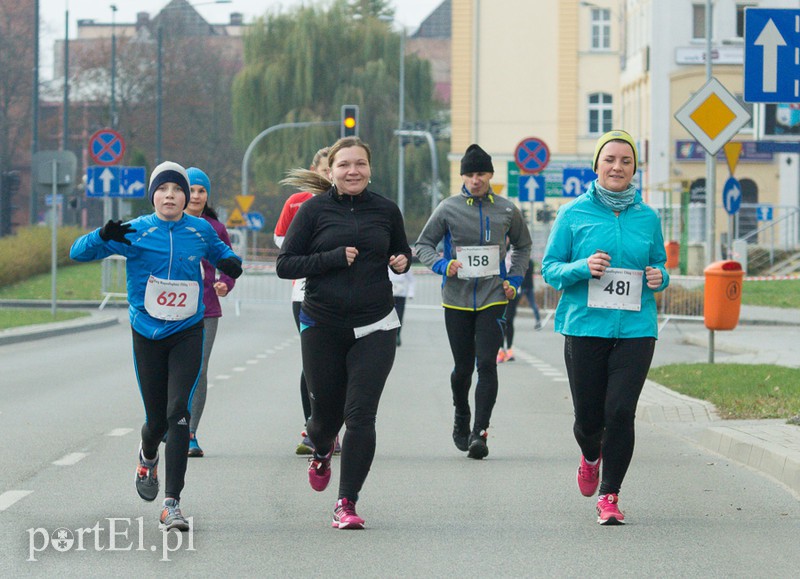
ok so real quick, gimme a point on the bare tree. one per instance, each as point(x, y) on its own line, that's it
point(16, 82)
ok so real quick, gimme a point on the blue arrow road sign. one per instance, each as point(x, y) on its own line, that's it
point(764, 212)
point(732, 195)
point(115, 181)
point(771, 40)
point(255, 221)
point(576, 180)
point(132, 182)
point(531, 188)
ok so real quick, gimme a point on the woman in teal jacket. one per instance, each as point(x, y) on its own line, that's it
point(606, 255)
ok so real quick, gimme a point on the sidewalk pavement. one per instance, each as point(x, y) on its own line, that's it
point(769, 446)
point(766, 336)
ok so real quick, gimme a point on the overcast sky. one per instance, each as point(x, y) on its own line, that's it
point(52, 12)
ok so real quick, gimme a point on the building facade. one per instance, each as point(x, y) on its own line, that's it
point(565, 71)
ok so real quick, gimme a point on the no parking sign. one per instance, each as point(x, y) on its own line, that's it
point(106, 147)
point(532, 155)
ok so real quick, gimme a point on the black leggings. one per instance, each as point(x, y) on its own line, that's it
point(303, 386)
point(167, 371)
point(345, 379)
point(475, 337)
point(606, 377)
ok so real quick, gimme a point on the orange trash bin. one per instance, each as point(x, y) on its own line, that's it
point(673, 249)
point(722, 297)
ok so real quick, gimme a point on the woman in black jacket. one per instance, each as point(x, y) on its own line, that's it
point(341, 241)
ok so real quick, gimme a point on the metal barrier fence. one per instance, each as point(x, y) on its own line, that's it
point(682, 300)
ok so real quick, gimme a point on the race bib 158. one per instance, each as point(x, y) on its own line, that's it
point(478, 260)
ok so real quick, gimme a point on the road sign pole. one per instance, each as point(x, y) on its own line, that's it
point(54, 239)
point(711, 196)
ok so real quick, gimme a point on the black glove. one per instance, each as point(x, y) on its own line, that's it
point(116, 231)
point(230, 266)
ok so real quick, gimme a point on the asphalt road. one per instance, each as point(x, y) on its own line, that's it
point(70, 413)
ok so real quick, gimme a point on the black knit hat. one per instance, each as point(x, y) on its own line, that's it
point(476, 160)
point(169, 172)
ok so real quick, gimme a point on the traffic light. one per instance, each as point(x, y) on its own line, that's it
point(349, 120)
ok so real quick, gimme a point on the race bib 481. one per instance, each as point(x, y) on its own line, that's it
point(617, 289)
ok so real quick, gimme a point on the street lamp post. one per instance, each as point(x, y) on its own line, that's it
point(160, 75)
point(113, 66)
point(401, 118)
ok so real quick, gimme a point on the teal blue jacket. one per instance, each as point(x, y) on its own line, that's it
point(633, 240)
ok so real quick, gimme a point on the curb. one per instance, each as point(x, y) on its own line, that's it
point(41, 331)
point(772, 447)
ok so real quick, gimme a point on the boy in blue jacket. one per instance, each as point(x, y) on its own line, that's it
point(165, 294)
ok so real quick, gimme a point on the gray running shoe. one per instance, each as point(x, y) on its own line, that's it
point(147, 478)
point(171, 517)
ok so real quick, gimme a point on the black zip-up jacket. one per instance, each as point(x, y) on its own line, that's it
point(314, 248)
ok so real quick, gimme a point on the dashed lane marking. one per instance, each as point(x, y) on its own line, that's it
point(8, 498)
point(223, 377)
point(120, 432)
point(70, 459)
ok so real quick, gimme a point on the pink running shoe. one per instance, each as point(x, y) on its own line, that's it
point(319, 471)
point(608, 512)
point(345, 517)
point(588, 477)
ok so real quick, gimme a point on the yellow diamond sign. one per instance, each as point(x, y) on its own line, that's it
point(712, 116)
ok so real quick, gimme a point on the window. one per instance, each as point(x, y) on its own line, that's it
point(600, 113)
point(698, 21)
point(601, 29)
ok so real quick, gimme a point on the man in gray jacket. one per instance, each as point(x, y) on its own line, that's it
point(474, 228)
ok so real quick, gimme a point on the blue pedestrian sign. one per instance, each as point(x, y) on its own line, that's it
point(531, 155)
point(764, 212)
point(771, 40)
point(115, 181)
point(576, 180)
point(732, 195)
point(531, 188)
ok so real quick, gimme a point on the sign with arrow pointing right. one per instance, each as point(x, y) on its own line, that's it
point(732, 195)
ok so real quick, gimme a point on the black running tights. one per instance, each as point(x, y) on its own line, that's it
point(606, 377)
point(345, 379)
point(167, 371)
point(475, 337)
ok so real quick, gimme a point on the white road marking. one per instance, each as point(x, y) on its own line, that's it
point(70, 459)
point(239, 369)
point(120, 432)
point(223, 377)
point(8, 498)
